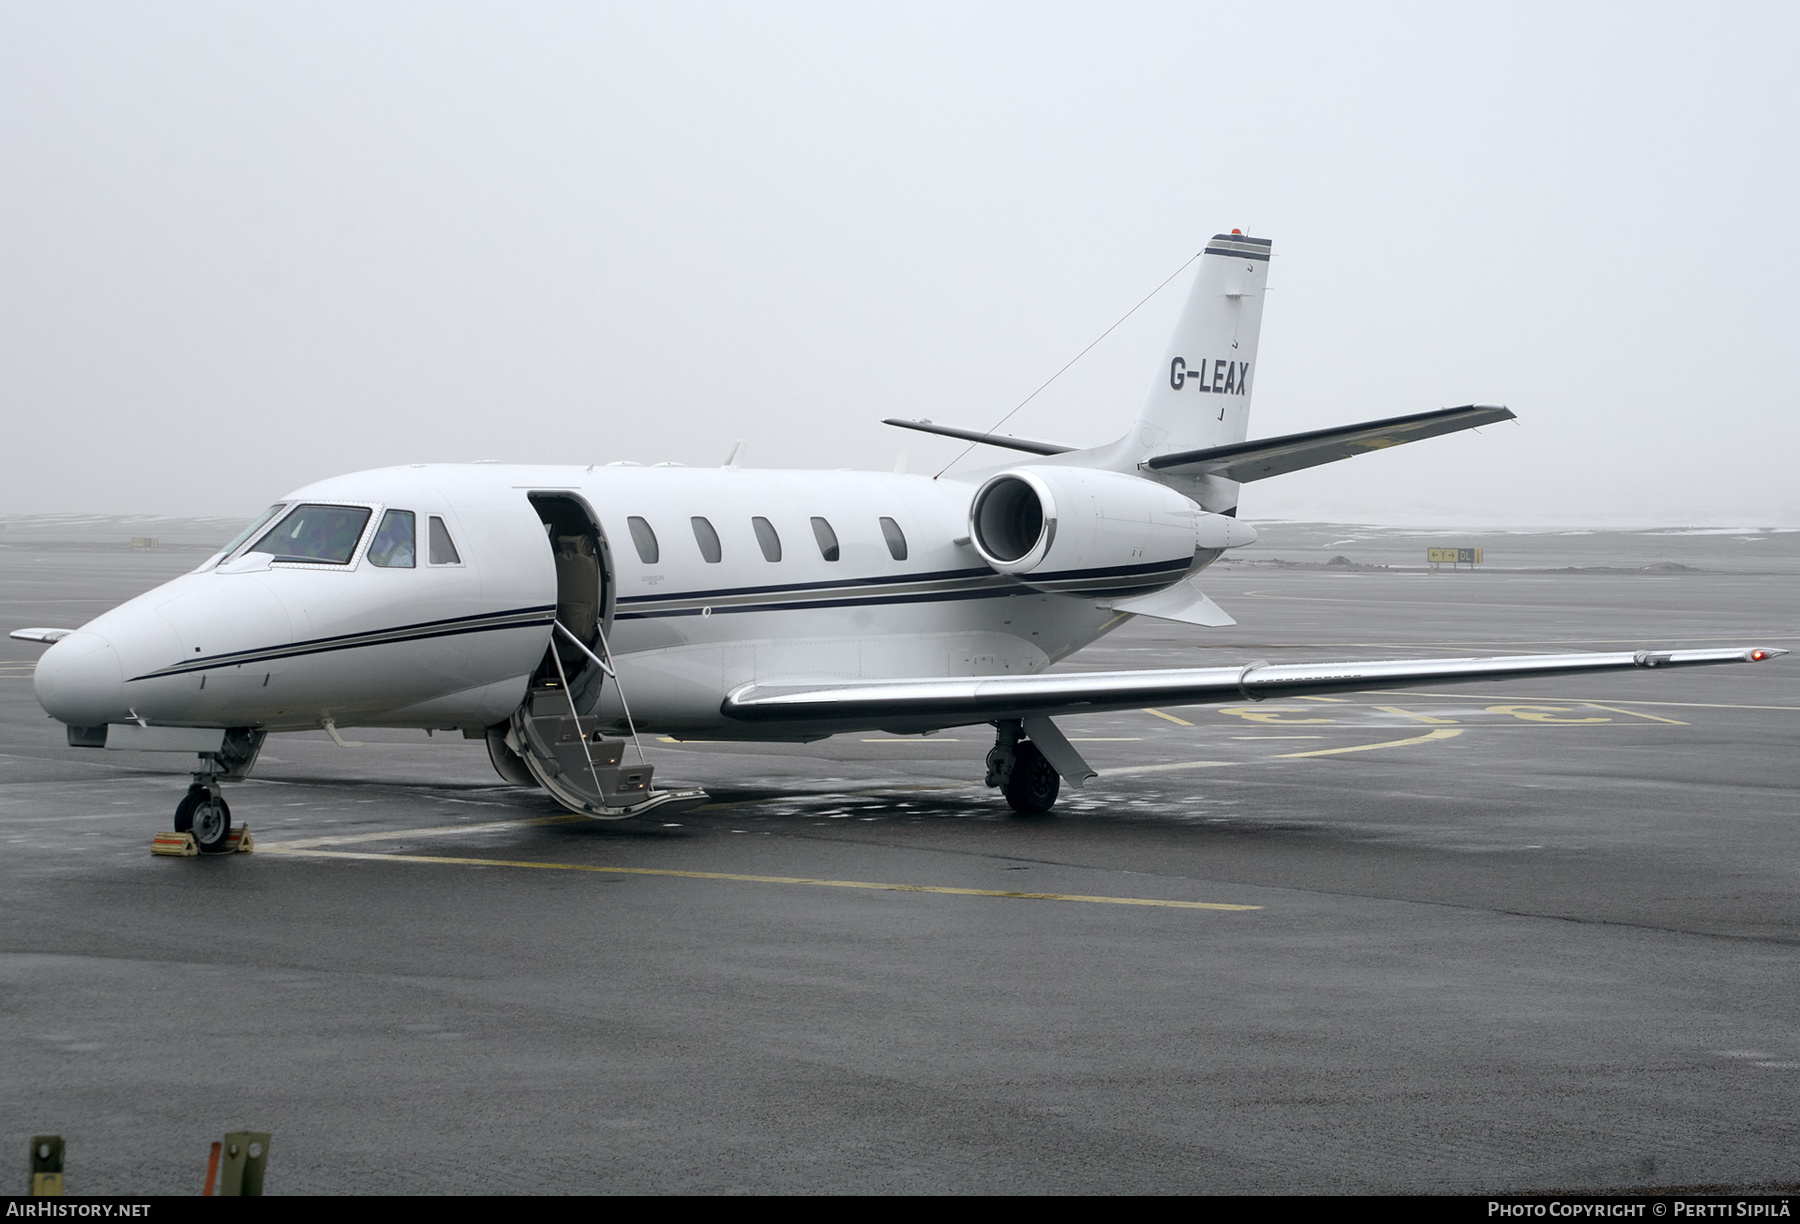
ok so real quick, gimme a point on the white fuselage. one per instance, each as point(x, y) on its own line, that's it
point(287, 645)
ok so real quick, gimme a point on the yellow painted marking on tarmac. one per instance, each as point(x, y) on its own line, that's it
point(755, 879)
point(1305, 697)
point(1440, 733)
point(1270, 714)
point(1673, 722)
point(1424, 718)
point(348, 839)
point(1179, 722)
point(1542, 713)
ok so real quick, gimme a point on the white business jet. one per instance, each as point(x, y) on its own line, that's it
point(556, 611)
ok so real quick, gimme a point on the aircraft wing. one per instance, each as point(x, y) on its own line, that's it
point(960, 700)
point(1265, 457)
point(40, 635)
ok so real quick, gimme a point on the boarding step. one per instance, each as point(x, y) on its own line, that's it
point(578, 755)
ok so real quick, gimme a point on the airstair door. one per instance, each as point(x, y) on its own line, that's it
point(554, 739)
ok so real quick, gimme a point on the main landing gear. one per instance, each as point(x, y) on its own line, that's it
point(1014, 764)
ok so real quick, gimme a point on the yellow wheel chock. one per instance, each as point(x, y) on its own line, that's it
point(182, 845)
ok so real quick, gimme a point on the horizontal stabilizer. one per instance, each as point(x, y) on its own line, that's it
point(1182, 602)
point(953, 701)
point(1258, 460)
point(970, 435)
point(40, 635)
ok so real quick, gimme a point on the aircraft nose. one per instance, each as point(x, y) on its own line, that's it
point(79, 681)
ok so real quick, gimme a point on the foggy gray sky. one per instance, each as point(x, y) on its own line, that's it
point(246, 246)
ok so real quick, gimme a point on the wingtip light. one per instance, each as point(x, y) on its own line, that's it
point(1757, 656)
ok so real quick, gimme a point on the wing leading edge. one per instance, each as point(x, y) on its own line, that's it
point(960, 700)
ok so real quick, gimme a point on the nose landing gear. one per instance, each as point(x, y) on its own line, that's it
point(204, 813)
point(203, 810)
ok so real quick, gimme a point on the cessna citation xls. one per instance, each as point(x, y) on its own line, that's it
point(554, 610)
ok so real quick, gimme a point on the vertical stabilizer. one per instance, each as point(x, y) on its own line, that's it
point(1201, 393)
point(1200, 396)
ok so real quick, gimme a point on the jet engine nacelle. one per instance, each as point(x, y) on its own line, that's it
point(1090, 532)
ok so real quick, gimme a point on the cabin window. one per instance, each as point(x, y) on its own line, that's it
point(827, 538)
point(766, 539)
point(707, 539)
point(896, 539)
point(645, 539)
point(443, 548)
point(325, 535)
point(394, 545)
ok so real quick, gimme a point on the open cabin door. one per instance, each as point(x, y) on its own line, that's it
point(554, 740)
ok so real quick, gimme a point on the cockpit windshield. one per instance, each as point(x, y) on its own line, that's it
point(262, 521)
point(323, 535)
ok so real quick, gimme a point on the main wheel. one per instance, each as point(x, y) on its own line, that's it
point(1033, 787)
point(212, 826)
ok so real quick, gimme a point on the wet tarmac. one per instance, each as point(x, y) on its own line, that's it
point(1488, 937)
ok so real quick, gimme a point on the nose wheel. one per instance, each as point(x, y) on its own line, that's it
point(204, 813)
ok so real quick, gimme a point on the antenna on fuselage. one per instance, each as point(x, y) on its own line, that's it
point(1077, 357)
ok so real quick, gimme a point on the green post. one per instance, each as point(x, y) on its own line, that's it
point(241, 1163)
point(46, 1166)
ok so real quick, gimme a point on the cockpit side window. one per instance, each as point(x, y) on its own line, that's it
point(644, 539)
point(442, 547)
point(262, 520)
point(395, 545)
point(321, 535)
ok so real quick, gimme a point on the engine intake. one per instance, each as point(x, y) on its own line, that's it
point(1012, 516)
point(1089, 532)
